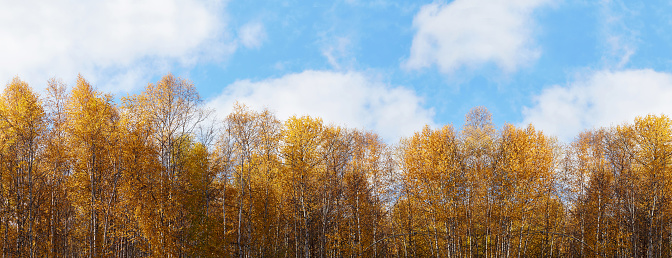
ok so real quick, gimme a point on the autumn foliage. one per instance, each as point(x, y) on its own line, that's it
point(153, 175)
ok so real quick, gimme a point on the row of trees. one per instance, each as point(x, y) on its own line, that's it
point(152, 175)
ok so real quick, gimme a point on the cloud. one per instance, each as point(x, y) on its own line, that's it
point(252, 34)
point(338, 51)
point(472, 33)
point(620, 37)
point(603, 98)
point(351, 99)
point(106, 39)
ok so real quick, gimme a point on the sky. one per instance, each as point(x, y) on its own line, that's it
point(391, 67)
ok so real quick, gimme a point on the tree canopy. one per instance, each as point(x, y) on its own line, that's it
point(84, 176)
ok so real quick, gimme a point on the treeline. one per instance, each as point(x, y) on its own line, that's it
point(152, 176)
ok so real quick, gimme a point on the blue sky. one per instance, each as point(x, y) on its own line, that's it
point(387, 66)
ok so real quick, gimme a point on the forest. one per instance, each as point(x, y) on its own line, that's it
point(83, 174)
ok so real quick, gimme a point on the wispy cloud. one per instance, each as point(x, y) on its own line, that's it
point(252, 35)
point(472, 33)
point(620, 38)
point(338, 52)
point(352, 99)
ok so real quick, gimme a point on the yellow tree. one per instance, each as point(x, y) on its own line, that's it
point(92, 141)
point(651, 151)
point(620, 240)
point(525, 175)
point(265, 184)
point(22, 119)
point(169, 111)
point(300, 151)
point(593, 183)
point(434, 174)
point(477, 140)
point(345, 202)
point(249, 152)
point(141, 166)
point(370, 178)
point(241, 127)
point(196, 200)
point(56, 164)
point(224, 165)
point(620, 188)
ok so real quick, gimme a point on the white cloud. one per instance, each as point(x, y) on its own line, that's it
point(252, 34)
point(603, 98)
point(106, 39)
point(351, 99)
point(471, 33)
